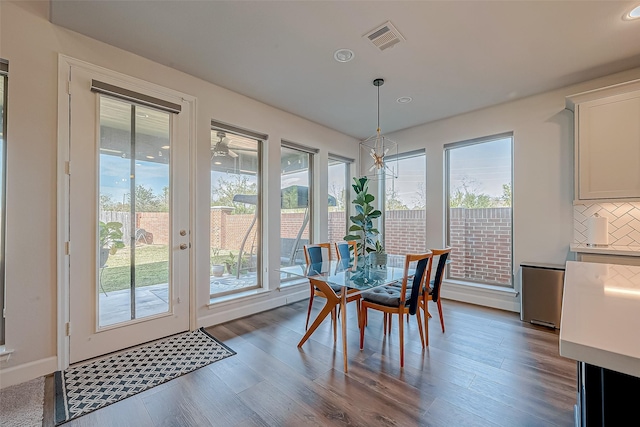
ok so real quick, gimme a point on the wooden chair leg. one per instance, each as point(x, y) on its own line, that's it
point(334, 321)
point(362, 325)
point(384, 323)
point(306, 326)
point(419, 319)
point(390, 320)
point(426, 324)
point(440, 313)
point(401, 333)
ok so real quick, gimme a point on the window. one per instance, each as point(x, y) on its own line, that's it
point(404, 208)
point(4, 70)
point(235, 219)
point(479, 214)
point(134, 212)
point(295, 203)
point(339, 185)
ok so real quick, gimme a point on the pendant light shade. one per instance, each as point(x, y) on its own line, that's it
point(379, 154)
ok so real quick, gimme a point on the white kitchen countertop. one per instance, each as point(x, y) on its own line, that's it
point(600, 322)
point(610, 250)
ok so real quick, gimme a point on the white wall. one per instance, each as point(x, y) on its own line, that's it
point(543, 171)
point(542, 188)
point(32, 44)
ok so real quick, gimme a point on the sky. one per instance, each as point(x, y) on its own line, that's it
point(484, 167)
point(115, 171)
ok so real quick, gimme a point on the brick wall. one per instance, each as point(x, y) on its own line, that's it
point(156, 223)
point(481, 242)
point(481, 238)
point(337, 226)
point(405, 232)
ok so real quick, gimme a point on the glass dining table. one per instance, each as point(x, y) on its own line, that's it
point(353, 277)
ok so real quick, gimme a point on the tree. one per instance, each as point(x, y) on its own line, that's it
point(340, 196)
point(467, 196)
point(148, 201)
point(465, 199)
point(420, 199)
point(224, 190)
point(393, 202)
point(107, 203)
point(289, 199)
point(506, 195)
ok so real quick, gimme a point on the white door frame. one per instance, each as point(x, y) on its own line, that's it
point(63, 308)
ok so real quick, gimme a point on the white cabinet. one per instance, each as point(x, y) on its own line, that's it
point(607, 142)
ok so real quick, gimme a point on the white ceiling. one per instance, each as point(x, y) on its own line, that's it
point(458, 55)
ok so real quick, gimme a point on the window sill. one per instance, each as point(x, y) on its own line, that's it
point(503, 290)
point(222, 300)
point(292, 283)
point(5, 354)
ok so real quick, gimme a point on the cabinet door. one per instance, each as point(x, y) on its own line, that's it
point(608, 135)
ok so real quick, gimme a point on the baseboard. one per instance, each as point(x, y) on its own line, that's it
point(503, 300)
point(231, 311)
point(28, 371)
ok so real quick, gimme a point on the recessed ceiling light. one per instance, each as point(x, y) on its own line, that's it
point(343, 55)
point(404, 100)
point(634, 14)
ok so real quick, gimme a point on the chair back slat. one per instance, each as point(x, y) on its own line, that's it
point(344, 248)
point(437, 281)
point(417, 284)
point(317, 253)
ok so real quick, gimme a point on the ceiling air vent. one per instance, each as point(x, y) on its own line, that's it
point(385, 36)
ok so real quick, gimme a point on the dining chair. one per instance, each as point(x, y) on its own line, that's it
point(432, 288)
point(402, 300)
point(343, 249)
point(317, 253)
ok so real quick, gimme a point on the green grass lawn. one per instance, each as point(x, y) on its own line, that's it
point(152, 267)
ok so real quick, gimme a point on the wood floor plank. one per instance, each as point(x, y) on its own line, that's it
point(197, 399)
point(276, 408)
point(554, 406)
point(129, 412)
point(444, 414)
point(488, 369)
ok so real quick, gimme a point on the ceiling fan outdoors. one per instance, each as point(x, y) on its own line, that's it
point(221, 148)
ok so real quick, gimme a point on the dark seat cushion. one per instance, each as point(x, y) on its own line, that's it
point(399, 286)
point(386, 295)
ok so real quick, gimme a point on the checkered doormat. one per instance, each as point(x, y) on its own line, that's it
point(85, 388)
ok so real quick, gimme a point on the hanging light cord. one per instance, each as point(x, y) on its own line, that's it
point(378, 109)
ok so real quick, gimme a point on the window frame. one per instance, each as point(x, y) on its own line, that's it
point(382, 190)
point(311, 152)
point(348, 164)
point(260, 141)
point(447, 198)
point(4, 72)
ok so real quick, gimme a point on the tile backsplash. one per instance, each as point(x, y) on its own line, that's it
point(624, 222)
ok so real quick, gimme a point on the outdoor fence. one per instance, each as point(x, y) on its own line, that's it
point(480, 238)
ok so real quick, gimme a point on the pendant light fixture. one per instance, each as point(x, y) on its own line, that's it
point(379, 154)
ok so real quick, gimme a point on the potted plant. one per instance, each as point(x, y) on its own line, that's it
point(110, 239)
point(378, 256)
point(217, 269)
point(362, 229)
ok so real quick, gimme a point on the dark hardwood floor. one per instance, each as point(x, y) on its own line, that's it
point(488, 369)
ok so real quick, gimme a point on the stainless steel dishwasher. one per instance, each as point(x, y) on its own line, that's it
point(541, 299)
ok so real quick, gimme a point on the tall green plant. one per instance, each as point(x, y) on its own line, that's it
point(362, 229)
point(111, 236)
